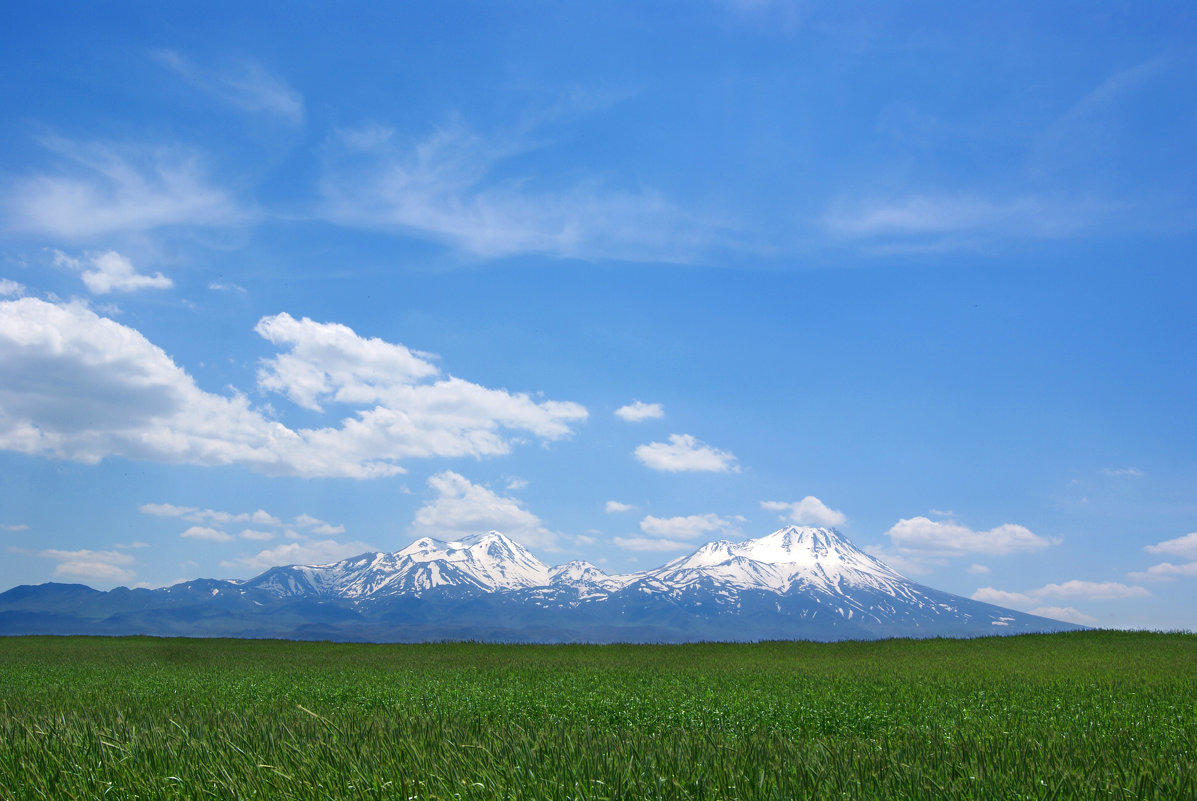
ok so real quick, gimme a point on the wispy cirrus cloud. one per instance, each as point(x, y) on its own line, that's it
point(463, 188)
point(951, 221)
point(99, 188)
point(244, 85)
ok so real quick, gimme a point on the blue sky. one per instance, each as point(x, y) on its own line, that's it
point(286, 284)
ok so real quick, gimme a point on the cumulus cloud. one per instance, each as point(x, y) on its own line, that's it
point(1090, 589)
point(690, 526)
point(922, 536)
point(1165, 571)
point(977, 570)
point(246, 86)
point(328, 362)
point(991, 595)
point(457, 187)
point(258, 535)
point(206, 534)
point(685, 453)
point(110, 566)
point(306, 552)
point(1185, 546)
point(1032, 600)
point(261, 517)
point(636, 411)
point(10, 288)
point(809, 511)
point(650, 544)
point(615, 507)
point(75, 385)
point(461, 508)
point(318, 526)
point(101, 188)
point(111, 272)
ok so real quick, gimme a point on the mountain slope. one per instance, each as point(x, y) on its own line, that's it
point(795, 583)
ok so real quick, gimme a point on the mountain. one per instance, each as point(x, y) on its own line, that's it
point(796, 583)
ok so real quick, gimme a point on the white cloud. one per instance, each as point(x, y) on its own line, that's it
point(329, 362)
point(109, 566)
point(636, 411)
point(318, 526)
point(246, 86)
point(461, 508)
point(1123, 472)
point(809, 511)
point(952, 221)
point(516, 483)
point(977, 570)
point(111, 272)
point(103, 189)
point(1089, 590)
point(1165, 571)
point(690, 526)
point(449, 417)
point(685, 453)
point(1066, 613)
point(1185, 546)
point(906, 563)
point(165, 509)
point(991, 595)
point(919, 535)
point(206, 534)
point(14, 527)
point(255, 534)
point(9, 288)
point(458, 187)
point(614, 507)
point(306, 552)
point(650, 544)
point(74, 385)
point(261, 517)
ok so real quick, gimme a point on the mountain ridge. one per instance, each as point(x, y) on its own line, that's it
point(794, 583)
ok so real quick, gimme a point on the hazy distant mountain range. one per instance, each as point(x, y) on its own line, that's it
point(796, 583)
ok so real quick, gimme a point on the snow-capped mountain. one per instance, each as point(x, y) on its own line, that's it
point(796, 583)
point(816, 558)
point(484, 562)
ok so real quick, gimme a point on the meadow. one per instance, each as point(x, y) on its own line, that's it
point(1069, 716)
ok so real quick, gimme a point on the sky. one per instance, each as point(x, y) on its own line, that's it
point(284, 283)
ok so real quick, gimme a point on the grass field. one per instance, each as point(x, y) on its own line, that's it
point(1080, 715)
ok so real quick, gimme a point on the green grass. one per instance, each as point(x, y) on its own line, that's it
point(1081, 715)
